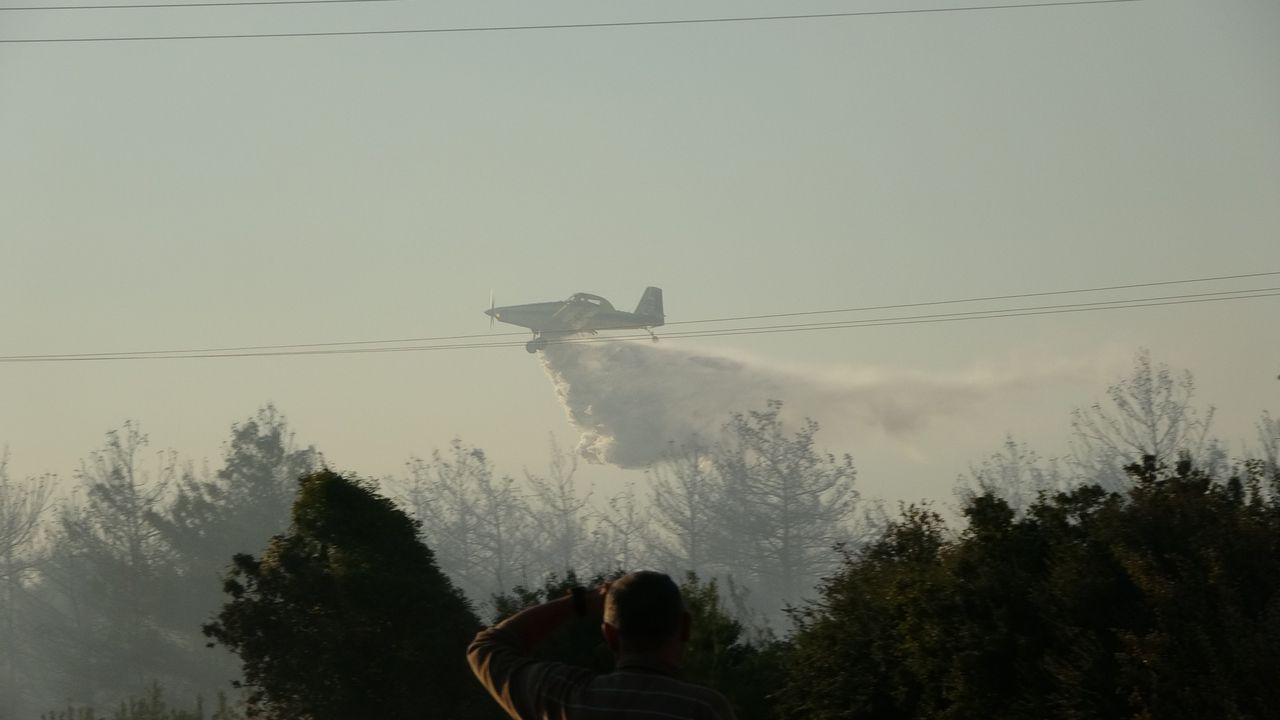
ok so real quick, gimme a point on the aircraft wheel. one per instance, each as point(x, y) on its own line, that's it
point(532, 346)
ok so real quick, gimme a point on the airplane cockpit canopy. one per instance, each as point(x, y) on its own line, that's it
point(592, 299)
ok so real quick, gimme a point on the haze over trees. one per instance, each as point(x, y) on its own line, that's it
point(558, 512)
point(22, 505)
point(785, 504)
point(108, 571)
point(474, 520)
point(1072, 583)
point(1150, 412)
point(110, 596)
point(762, 506)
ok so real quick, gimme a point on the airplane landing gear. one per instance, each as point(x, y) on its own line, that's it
point(535, 345)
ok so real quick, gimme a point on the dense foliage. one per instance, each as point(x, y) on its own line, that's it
point(103, 593)
point(346, 615)
point(1162, 602)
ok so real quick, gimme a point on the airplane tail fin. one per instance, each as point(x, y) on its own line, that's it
point(651, 305)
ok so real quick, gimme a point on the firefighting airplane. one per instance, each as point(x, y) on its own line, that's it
point(581, 313)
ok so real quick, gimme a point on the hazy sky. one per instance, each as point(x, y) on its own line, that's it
point(207, 193)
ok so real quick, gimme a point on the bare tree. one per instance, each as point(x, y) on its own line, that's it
point(619, 536)
point(1269, 439)
point(559, 512)
point(475, 523)
point(684, 499)
point(787, 504)
point(503, 534)
point(1016, 474)
point(22, 504)
point(213, 516)
point(108, 571)
point(1150, 412)
point(124, 497)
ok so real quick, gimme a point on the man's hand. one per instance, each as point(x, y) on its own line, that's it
point(533, 625)
point(595, 600)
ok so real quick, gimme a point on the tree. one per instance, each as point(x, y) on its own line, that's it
point(1163, 601)
point(856, 650)
point(787, 504)
point(215, 515)
point(619, 536)
point(684, 497)
point(1151, 412)
point(105, 582)
point(477, 524)
point(211, 518)
point(21, 507)
point(347, 615)
point(134, 567)
point(721, 654)
point(558, 512)
point(1016, 474)
point(1196, 621)
point(1269, 440)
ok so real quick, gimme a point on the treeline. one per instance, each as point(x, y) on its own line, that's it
point(1162, 601)
point(104, 592)
point(761, 505)
point(104, 595)
point(348, 615)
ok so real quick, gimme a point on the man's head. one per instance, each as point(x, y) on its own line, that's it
point(644, 614)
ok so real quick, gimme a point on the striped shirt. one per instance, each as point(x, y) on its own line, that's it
point(639, 688)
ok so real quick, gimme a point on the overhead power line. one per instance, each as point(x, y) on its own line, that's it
point(570, 26)
point(234, 3)
point(884, 322)
point(1183, 299)
point(993, 313)
point(901, 306)
point(479, 336)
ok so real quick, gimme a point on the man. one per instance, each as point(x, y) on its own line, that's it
point(646, 627)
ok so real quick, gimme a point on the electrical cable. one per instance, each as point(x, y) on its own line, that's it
point(566, 26)
point(981, 299)
point(994, 313)
point(288, 346)
point(1184, 299)
point(234, 3)
point(478, 336)
point(919, 319)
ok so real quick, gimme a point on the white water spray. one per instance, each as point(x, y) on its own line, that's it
point(630, 400)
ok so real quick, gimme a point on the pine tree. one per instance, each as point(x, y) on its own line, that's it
point(787, 504)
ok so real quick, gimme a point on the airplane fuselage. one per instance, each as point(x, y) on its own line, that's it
point(570, 317)
point(581, 313)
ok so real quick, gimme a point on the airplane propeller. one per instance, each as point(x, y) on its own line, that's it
point(491, 306)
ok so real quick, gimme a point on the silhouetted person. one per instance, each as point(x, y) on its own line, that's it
point(645, 623)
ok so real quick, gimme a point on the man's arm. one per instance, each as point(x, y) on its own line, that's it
point(500, 656)
point(534, 625)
